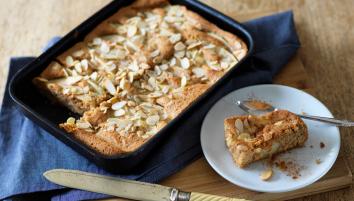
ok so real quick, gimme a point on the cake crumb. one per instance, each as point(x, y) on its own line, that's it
point(318, 161)
point(290, 167)
point(322, 145)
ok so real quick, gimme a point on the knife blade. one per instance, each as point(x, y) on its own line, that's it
point(124, 188)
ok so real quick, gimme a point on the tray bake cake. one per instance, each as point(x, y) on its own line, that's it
point(250, 138)
point(136, 71)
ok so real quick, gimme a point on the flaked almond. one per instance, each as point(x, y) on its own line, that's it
point(173, 61)
point(78, 67)
point(110, 66)
point(175, 38)
point(155, 53)
point(134, 66)
point(244, 136)
point(278, 123)
point(66, 91)
point(97, 41)
point(163, 67)
point(94, 76)
point(131, 103)
point(242, 147)
point(179, 46)
point(68, 81)
point(109, 86)
point(69, 61)
point(239, 125)
point(119, 113)
point(183, 81)
point(131, 47)
point(124, 84)
point(104, 48)
point(143, 67)
point(84, 64)
point(157, 70)
point(114, 38)
point(179, 54)
point(185, 63)
point(152, 82)
point(78, 53)
point(155, 94)
point(131, 31)
point(266, 174)
point(70, 121)
point(83, 124)
point(131, 77)
point(119, 105)
point(152, 120)
point(198, 72)
point(193, 45)
point(97, 88)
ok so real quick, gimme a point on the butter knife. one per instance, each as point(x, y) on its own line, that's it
point(125, 188)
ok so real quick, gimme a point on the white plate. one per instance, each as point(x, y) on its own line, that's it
point(216, 153)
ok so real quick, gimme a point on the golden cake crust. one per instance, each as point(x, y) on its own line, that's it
point(87, 78)
point(259, 137)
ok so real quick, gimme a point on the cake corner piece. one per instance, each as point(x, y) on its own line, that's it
point(250, 138)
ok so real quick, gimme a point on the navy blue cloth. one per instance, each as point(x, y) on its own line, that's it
point(26, 150)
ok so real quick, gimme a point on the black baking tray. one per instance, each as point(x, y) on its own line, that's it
point(43, 112)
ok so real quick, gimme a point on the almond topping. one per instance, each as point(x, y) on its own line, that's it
point(175, 38)
point(185, 63)
point(97, 41)
point(266, 174)
point(183, 81)
point(78, 53)
point(93, 76)
point(84, 64)
point(180, 46)
point(244, 136)
point(69, 61)
point(173, 61)
point(152, 81)
point(71, 120)
point(134, 66)
point(109, 86)
point(180, 54)
point(104, 48)
point(155, 53)
point(119, 105)
point(198, 72)
point(152, 120)
point(124, 84)
point(68, 81)
point(119, 112)
point(78, 67)
point(239, 125)
point(131, 31)
point(83, 125)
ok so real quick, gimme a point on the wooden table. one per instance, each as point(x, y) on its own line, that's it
point(324, 27)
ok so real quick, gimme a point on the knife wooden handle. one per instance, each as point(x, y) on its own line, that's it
point(206, 197)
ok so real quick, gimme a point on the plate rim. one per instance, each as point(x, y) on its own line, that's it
point(240, 184)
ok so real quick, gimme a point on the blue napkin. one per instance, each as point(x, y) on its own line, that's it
point(26, 150)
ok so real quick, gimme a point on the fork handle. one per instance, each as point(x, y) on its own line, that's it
point(332, 121)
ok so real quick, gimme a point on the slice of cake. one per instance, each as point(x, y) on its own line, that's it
point(250, 138)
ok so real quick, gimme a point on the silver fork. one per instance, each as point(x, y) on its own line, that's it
point(245, 106)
